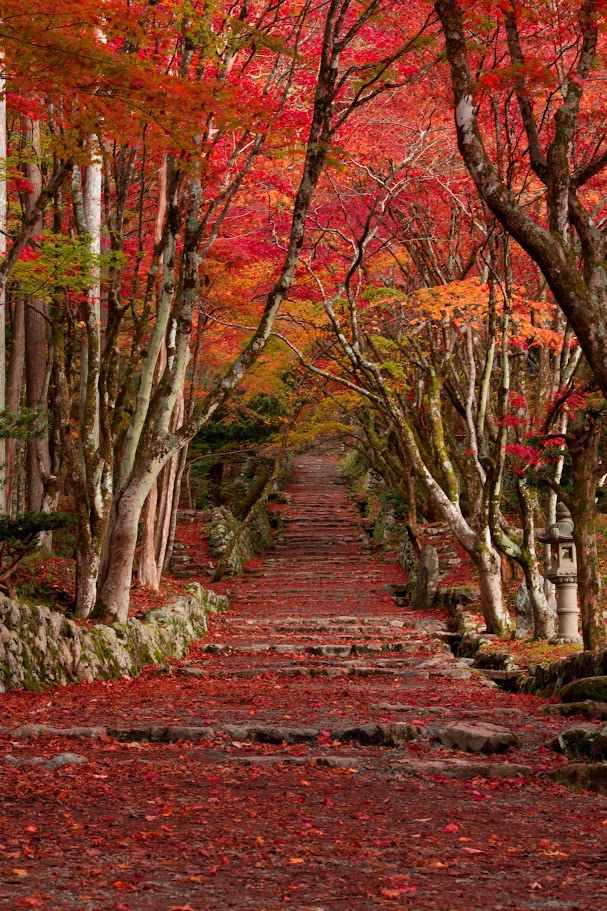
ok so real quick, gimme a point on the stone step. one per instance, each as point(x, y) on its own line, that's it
point(332, 671)
point(328, 650)
point(394, 734)
point(479, 738)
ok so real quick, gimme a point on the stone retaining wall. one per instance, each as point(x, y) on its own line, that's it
point(256, 538)
point(548, 679)
point(41, 647)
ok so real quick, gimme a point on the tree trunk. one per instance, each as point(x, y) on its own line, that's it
point(489, 565)
point(3, 212)
point(13, 392)
point(36, 350)
point(147, 571)
point(543, 616)
point(87, 570)
point(585, 474)
point(112, 604)
point(183, 455)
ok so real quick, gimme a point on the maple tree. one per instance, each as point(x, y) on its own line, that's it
point(557, 92)
point(203, 198)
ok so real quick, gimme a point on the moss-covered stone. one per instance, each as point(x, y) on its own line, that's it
point(594, 688)
point(584, 741)
point(41, 647)
point(582, 776)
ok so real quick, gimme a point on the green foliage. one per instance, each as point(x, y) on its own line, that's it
point(20, 534)
point(250, 426)
point(20, 537)
point(61, 265)
point(25, 424)
point(392, 502)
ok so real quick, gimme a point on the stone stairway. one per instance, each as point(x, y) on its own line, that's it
point(321, 748)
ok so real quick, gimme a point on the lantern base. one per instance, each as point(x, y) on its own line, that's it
point(567, 612)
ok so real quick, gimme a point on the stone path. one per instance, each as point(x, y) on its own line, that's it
point(322, 748)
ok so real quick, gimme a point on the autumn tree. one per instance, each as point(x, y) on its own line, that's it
point(556, 84)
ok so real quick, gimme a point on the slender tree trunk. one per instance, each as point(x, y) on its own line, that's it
point(91, 187)
point(169, 480)
point(36, 348)
point(87, 569)
point(183, 455)
point(585, 475)
point(543, 615)
point(489, 568)
point(3, 225)
point(148, 574)
point(13, 392)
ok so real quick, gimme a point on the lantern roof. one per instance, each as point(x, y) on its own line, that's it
point(560, 531)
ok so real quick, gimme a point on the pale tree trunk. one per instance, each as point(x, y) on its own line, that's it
point(543, 615)
point(167, 497)
point(36, 345)
point(92, 215)
point(476, 541)
point(489, 567)
point(149, 570)
point(112, 604)
point(94, 481)
point(183, 455)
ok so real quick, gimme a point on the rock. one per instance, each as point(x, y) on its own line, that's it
point(477, 738)
point(337, 762)
point(162, 733)
point(583, 741)
point(60, 760)
point(192, 671)
point(589, 709)
point(523, 610)
point(593, 688)
point(277, 735)
point(452, 673)
point(581, 776)
point(329, 651)
point(387, 735)
point(45, 730)
point(452, 598)
point(426, 584)
point(64, 759)
point(405, 707)
point(462, 769)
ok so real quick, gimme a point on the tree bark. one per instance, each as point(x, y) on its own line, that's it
point(4, 498)
point(13, 392)
point(585, 475)
point(36, 346)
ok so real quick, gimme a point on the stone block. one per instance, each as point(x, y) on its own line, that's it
point(477, 738)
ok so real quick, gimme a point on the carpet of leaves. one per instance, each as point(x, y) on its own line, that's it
point(200, 827)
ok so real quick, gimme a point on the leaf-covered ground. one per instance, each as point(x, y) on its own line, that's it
point(313, 639)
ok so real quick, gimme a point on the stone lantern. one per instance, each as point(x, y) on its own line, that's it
point(562, 571)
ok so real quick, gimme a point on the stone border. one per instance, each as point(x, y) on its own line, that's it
point(40, 647)
point(548, 679)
